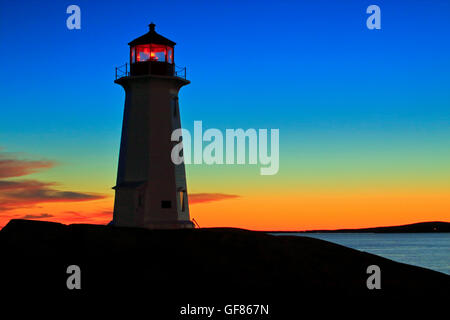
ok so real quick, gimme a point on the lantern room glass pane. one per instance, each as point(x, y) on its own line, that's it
point(133, 55)
point(143, 52)
point(169, 55)
point(158, 53)
point(151, 52)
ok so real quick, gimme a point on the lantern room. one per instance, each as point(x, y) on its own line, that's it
point(152, 54)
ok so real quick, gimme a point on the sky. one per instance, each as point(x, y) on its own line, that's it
point(363, 115)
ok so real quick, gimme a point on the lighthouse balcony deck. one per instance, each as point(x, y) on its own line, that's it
point(124, 71)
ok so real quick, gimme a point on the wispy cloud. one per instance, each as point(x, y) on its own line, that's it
point(95, 216)
point(12, 166)
point(9, 185)
point(24, 198)
point(209, 197)
point(37, 216)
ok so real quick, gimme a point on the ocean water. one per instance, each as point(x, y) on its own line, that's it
point(428, 250)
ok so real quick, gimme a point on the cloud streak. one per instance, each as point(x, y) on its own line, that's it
point(13, 167)
point(210, 197)
point(27, 197)
point(37, 216)
point(9, 185)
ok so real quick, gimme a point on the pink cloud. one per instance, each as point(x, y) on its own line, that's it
point(209, 197)
point(36, 216)
point(11, 167)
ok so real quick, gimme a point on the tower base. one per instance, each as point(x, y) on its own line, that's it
point(164, 225)
point(170, 225)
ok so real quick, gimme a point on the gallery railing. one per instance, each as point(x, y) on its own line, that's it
point(180, 72)
point(124, 71)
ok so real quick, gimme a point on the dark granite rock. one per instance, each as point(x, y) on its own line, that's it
point(183, 266)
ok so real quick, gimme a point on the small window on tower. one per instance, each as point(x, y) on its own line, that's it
point(181, 194)
point(166, 204)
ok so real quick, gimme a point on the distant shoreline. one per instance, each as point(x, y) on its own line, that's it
point(421, 227)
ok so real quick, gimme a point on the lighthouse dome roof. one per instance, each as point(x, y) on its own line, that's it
point(152, 37)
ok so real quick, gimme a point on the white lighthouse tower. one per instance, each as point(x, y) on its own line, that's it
point(151, 190)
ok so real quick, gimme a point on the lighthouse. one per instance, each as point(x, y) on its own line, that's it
point(151, 190)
